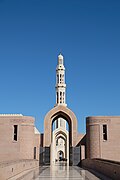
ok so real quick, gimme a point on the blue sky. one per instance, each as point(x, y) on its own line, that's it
point(33, 32)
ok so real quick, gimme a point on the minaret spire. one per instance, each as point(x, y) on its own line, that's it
point(60, 82)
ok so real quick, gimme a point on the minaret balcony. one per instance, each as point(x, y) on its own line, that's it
point(60, 104)
point(60, 67)
point(60, 85)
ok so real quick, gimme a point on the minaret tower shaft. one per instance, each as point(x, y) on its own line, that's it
point(60, 82)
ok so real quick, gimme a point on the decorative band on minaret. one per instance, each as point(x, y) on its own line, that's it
point(60, 82)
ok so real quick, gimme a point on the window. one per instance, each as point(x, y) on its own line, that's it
point(60, 78)
point(60, 94)
point(15, 132)
point(56, 123)
point(57, 97)
point(105, 132)
point(34, 152)
point(57, 78)
point(57, 142)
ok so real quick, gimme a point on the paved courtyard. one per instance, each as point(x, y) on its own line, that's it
point(60, 172)
point(64, 173)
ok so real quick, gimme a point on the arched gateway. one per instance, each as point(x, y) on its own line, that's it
point(60, 123)
point(56, 112)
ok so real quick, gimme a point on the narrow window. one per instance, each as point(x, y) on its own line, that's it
point(57, 142)
point(60, 78)
point(63, 97)
point(57, 97)
point(56, 123)
point(15, 132)
point(105, 132)
point(57, 78)
point(34, 152)
point(60, 94)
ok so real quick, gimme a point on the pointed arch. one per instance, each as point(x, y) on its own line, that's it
point(52, 115)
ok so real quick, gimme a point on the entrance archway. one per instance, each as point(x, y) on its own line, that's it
point(60, 111)
point(65, 113)
point(60, 143)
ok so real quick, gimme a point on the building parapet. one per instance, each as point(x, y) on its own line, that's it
point(11, 115)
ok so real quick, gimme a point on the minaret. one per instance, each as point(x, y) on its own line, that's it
point(60, 82)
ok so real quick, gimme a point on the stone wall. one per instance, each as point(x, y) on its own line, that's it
point(110, 169)
point(11, 168)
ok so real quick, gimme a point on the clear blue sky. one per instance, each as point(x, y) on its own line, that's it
point(33, 32)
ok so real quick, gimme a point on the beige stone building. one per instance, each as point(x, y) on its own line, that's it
point(19, 144)
point(19, 139)
point(103, 137)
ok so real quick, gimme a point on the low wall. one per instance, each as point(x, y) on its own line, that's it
point(110, 169)
point(11, 168)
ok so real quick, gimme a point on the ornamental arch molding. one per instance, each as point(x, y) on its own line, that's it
point(68, 115)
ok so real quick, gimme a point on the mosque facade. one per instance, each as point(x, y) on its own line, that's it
point(21, 142)
point(65, 142)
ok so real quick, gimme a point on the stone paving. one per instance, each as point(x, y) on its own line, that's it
point(59, 172)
